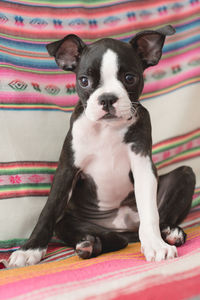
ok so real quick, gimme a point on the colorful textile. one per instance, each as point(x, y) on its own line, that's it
point(22, 178)
point(28, 73)
point(119, 275)
point(192, 220)
point(36, 97)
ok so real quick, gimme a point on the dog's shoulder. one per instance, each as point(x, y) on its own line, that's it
point(139, 133)
point(78, 110)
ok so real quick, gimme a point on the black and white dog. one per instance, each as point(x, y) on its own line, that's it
point(106, 192)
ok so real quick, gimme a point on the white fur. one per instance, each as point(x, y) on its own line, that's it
point(173, 235)
point(123, 214)
point(145, 184)
point(80, 246)
point(100, 152)
point(22, 258)
point(109, 84)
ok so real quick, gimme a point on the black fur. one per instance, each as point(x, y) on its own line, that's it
point(64, 213)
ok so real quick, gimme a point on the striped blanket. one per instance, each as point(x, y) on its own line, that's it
point(120, 275)
point(36, 99)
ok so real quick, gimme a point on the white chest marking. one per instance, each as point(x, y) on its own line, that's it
point(100, 152)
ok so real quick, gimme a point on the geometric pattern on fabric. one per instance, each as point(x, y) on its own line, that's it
point(31, 80)
point(30, 83)
point(18, 179)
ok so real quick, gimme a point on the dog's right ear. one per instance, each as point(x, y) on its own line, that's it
point(67, 51)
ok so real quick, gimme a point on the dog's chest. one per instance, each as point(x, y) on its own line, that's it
point(99, 151)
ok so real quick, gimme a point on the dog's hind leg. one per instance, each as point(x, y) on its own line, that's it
point(175, 191)
point(89, 240)
point(103, 242)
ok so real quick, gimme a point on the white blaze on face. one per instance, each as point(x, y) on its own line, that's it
point(109, 83)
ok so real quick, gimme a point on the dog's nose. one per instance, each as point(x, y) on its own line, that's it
point(107, 100)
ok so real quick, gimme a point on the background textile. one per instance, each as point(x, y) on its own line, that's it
point(36, 98)
point(119, 275)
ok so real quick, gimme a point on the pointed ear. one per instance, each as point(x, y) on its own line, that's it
point(67, 51)
point(149, 44)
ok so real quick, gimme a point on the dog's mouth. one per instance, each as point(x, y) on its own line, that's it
point(109, 116)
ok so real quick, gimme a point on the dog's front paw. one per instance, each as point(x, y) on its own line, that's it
point(158, 250)
point(22, 258)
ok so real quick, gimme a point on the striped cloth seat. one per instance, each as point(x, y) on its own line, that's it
point(36, 101)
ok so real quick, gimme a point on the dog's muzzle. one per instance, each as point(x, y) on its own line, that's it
point(106, 101)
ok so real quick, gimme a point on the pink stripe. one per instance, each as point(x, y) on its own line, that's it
point(8, 249)
point(25, 286)
point(31, 98)
point(150, 4)
point(59, 257)
point(181, 286)
point(184, 57)
point(171, 81)
point(83, 12)
point(18, 179)
point(94, 33)
point(170, 153)
point(80, 274)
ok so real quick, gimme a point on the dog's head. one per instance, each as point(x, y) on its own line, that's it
point(109, 73)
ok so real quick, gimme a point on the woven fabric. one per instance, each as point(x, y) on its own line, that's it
point(36, 97)
point(120, 275)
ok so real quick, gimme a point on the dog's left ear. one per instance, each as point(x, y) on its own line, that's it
point(67, 51)
point(149, 44)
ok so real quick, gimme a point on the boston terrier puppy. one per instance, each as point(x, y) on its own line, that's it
point(106, 191)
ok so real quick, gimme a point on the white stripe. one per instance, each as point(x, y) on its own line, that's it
point(34, 135)
point(20, 216)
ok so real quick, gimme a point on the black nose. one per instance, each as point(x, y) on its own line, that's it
point(107, 100)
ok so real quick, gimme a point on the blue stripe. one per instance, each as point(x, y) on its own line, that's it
point(29, 63)
point(50, 64)
point(181, 44)
point(19, 45)
point(188, 26)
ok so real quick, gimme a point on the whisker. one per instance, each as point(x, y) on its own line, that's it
point(127, 108)
point(131, 104)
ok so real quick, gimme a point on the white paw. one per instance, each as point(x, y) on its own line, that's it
point(158, 251)
point(22, 258)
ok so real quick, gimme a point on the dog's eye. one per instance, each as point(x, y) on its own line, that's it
point(84, 81)
point(130, 79)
